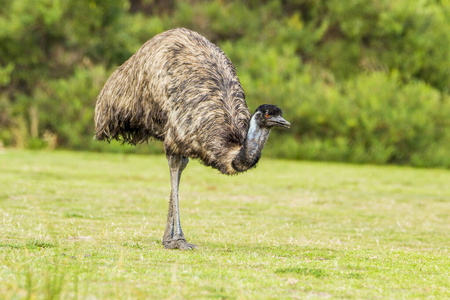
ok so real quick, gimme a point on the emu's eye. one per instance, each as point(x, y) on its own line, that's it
point(266, 115)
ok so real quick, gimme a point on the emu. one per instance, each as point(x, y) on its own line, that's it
point(181, 89)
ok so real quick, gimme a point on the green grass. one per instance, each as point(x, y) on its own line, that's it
point(89, 225)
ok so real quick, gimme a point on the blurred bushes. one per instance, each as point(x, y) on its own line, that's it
point(361, 81)
point(372, 118)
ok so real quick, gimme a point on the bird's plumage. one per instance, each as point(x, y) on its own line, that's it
point(181, 89)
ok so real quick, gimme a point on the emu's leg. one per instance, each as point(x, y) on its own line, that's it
point(173, 236)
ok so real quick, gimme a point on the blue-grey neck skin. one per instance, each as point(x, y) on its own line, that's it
point(250, 153)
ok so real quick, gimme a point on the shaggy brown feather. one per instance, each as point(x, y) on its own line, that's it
point(181, 89)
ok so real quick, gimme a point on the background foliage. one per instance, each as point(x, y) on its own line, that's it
point(361, 81)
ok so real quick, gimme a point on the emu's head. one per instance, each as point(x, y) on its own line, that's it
point(268, 116)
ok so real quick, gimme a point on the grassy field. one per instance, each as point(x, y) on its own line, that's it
point(89, 226)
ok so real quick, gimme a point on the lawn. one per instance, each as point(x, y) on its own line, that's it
point(77, 225)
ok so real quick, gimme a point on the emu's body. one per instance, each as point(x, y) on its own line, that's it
point(183, 90)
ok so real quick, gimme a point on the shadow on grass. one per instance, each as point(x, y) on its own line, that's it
point(32, 244)
point(312, 253)
point(302, 271)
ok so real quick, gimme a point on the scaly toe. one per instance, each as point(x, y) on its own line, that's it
point(179, 244)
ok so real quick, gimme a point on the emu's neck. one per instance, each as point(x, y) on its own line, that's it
point(250, 153)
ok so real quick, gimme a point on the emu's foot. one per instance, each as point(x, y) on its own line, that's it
point(178, 244)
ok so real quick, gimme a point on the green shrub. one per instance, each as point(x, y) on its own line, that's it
point(66, 106)
point(372, 118)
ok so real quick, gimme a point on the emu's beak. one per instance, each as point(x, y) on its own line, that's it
point(280, 121)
